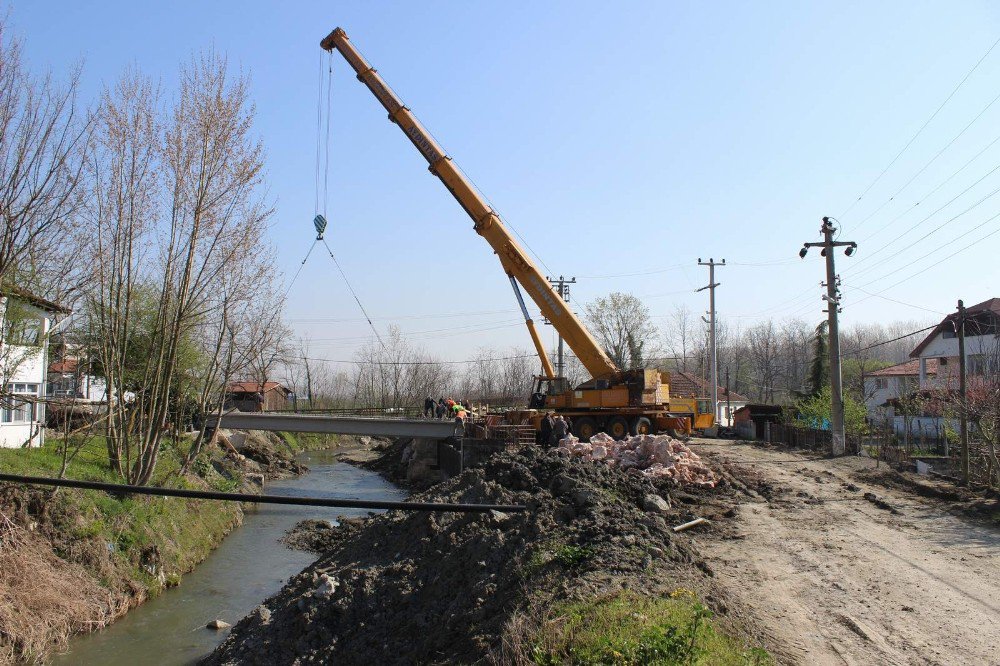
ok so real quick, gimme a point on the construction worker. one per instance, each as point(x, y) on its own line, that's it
point(559, 430)
point(546, 430)
point(429, 407)
point(441, 409)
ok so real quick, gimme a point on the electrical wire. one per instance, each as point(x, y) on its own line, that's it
point(893, 300)
point(886, 342)
point(924, 270)
point(870, 255)
point(932, 192)
point(936, 249)
point(933, 159)
point(471, 360)
point(922, 128)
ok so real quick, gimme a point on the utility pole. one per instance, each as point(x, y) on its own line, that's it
point(714, 363)
point(963, 422)
point(729, 403)
point(832, 297)
point(562, 287)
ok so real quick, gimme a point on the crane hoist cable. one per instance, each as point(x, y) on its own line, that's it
point(322, 186)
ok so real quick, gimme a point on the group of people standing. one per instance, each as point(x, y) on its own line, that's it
point(554, 427)
point(444, 408)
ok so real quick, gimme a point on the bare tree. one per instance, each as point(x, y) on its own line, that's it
point(622, 326)
point(204, 164)
point(42, 139)
point(680, 335)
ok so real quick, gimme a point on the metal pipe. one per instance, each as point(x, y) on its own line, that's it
point(263, 499)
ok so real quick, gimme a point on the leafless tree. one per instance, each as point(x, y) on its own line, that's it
point(176, 205)
point(680, 335)
point(42, 138)
point(622, 325)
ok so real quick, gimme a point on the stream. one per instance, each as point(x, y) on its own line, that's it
point(250, 565)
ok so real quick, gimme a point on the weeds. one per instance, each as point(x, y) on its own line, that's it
point(571, 556)
point(631, 630)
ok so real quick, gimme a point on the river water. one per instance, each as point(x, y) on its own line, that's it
point(249, 566)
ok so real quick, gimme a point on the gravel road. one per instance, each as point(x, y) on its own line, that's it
point(830, 576)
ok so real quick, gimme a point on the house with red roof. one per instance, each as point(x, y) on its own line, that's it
point(257, 397)
point(982, 346)
point(884, 387)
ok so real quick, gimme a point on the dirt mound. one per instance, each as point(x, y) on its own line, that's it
point(443, 588)
point(267, 452)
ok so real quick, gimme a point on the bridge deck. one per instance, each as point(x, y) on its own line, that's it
point(342, 425)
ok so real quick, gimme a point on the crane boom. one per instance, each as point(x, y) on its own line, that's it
point(487, 223)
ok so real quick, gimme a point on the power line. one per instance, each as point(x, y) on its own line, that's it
point(923, 270)
point(886, 342)
point(886, 298)
point(933, 159)
point(922, 128)
point(932, 192)
point(471, 360)
point(936, 249)
point(937, 228)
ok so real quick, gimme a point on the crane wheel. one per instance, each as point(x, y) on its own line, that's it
point(584, 427)
point(641, 426)
point(617, 427)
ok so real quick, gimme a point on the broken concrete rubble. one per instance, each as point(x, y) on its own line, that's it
point(653, 456)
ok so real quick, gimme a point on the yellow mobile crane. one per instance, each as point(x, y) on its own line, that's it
point(614, 401)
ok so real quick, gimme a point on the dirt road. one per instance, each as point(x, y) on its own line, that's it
point(830, 577)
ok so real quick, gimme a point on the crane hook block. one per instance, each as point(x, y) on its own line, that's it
point(320, 223)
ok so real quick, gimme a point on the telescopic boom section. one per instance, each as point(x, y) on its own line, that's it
point(486, 222)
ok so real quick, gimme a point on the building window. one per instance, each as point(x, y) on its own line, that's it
point(18, 411)
point(881, 383)
point(943, 361)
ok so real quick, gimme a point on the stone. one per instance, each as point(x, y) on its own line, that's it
point(218, 625)
point(655, 504)
point(326, 587)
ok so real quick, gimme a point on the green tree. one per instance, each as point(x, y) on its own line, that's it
point(816, 411)
point(819, 368)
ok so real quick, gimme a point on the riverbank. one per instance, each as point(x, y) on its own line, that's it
point(592, 572)
point(74, 561)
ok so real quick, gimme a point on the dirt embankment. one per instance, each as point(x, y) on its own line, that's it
point(459, 588)
point(74, 561)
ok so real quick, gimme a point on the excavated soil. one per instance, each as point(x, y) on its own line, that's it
point(436, 588)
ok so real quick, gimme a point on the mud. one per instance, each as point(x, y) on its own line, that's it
point(832, 561)
point(444, 588)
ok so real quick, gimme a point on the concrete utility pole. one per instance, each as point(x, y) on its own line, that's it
point(562, 287)
point(714, 364)
point(832, 297)
point(963, 422)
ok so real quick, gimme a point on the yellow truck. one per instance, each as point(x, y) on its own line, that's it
point(618, 402)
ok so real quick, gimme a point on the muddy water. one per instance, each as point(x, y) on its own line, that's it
point(250, 565)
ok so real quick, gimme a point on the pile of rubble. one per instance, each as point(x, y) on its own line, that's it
point(653, 456)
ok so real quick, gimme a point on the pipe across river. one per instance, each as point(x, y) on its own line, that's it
point(250, 565)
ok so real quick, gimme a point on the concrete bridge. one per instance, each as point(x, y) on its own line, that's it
point(343, 425)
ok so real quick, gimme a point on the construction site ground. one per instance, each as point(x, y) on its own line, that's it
point(832, 561)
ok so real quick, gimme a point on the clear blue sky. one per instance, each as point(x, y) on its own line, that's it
point(616, 137)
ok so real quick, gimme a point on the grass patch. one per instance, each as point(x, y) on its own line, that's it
point(571, 556)
point(628, 629)
point(298, 442)
point(151, 540)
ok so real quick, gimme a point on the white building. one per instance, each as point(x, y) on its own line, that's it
point(25, 323)
point(982, 347)
point(897, 381)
